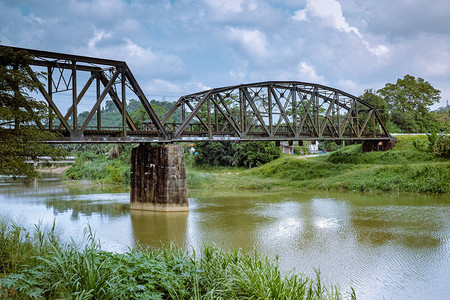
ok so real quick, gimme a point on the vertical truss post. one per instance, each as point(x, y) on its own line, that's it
point(315, 101)
point(208, 107)
point(338, 116)
point(216, 119)
point(374, 128)
point(294, 111)
point(50, 93)
point(241, 108)
point(183, 112)
point(74, 133)
point(99, 114)
point(269, 103)
point(124, 105)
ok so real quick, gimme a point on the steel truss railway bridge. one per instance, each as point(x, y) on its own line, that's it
point(263, 111)
point(270, 111)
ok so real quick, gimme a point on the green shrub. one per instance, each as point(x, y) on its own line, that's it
point(353, 155)
point(67, 272)
point(92, 166)
point(246, 154)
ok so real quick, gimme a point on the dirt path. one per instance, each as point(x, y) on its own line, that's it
point(53, 170)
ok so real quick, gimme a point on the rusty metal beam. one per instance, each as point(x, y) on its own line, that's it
point(48, 98)
point(116, 100)
point(107, 89)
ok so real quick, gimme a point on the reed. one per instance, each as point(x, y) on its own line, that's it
point(66, 271)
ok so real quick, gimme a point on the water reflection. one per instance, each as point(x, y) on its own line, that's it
point(111, 205)
point(157, 228)
point(384, 245)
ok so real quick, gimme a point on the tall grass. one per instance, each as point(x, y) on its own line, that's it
point(197, 179)
point(403, 155)
point(19, 247)
point(65, 271)
point(97, 167)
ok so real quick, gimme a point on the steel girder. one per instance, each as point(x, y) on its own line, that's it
point(272, 110)
point(277, 110)
point(63, 73)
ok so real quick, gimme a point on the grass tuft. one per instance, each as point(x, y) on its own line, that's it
point(65, 271)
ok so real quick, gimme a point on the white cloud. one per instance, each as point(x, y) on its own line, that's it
point(300, 15)
point(98, 36)
point(308, 73)
point(253, 42)
point(100, 8)
point(349, 86)
point(237, 75)
point(231, 6)
point(330, 13)
point(143, 60)
point(161, 85)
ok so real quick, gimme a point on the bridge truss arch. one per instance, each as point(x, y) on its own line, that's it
point(275, 110)
point(270, 110)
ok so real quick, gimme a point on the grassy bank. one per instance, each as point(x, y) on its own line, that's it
point(37, 266)
point(403, 169)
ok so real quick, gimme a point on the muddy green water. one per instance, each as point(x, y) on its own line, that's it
point(391, 246)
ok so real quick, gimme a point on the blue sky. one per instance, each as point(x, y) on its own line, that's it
point(181, 47)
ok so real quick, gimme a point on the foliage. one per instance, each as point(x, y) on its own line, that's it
point(410, 94)
point(253, 154)
point(402, 169)
point(416, 178)
point(19, 247)
point(66, 271)
point(353, 155)
point(300, 169)
point(378, 102)
point(247, 154)
point(409, 100)
point(328, 146)
point(438, 144)
point(196, 179)
point(20, 140)
point(90, 165)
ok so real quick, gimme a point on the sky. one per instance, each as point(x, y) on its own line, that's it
point(184, 46)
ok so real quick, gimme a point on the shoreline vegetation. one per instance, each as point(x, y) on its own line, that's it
point(37, 265)
point(402, 169)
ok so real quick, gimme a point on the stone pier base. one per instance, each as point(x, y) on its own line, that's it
point(368, 146)
point(158, 178)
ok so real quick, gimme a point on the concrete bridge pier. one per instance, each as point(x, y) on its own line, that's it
point(158, 178)
point(368, 146)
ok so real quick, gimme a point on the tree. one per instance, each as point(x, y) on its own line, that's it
point(20, 138)
point(409, 94)
point(409, 100)
point(378, 102)
point(246, 154)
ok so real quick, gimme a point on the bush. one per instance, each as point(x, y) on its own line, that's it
point(247, 154)
point(399, 155)
point(328, 146)
point(67, 272)
point(91, 166)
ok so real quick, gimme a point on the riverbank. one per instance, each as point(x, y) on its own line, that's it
point(54, 170)
point(37, 265)
point(403, 169)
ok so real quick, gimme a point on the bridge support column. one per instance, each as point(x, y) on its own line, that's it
point(368, 146)
point(158, 178)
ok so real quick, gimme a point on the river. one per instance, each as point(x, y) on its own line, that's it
point(391, 246)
